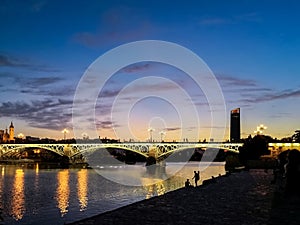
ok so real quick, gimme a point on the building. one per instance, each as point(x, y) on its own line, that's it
point(11, 132)
point(235, 125)
point(7, 136)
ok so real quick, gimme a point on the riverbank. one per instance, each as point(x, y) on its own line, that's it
point(247, 197)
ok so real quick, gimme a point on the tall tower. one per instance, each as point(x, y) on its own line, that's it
point(11, 132)
point(235, 125)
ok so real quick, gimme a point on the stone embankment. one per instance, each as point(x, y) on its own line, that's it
point(247, 197)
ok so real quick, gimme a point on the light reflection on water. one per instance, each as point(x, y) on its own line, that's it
point(63, 191)
point(82, 188)
point(18, 196)
point(55, 196)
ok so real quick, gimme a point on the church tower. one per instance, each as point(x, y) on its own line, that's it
point(11, 132)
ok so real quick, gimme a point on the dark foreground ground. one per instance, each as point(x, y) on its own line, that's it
point(247, 197)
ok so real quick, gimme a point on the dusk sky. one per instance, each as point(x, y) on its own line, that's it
point(252, 47)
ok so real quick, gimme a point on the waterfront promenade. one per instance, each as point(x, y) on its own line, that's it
point(247, 197)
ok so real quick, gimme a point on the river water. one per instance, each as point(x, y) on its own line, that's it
point(58, 196)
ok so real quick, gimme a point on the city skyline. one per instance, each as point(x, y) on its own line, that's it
point(252, 47)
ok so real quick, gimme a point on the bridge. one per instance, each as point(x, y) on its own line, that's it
point(158, 150)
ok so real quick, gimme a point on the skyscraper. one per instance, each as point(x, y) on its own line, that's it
point(235, 125)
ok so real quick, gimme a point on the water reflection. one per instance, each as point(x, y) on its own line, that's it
point(153, 180)
point(75, 194)
point(36, 180)
point(82, 188)
point(63, 191)
point(1, 192)
point(18, 197)
point(37, 169)
point(153, 187)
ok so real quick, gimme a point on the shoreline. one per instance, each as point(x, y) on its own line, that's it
point(245, 197)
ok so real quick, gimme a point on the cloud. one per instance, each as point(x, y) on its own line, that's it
point(41, 81)
point(109, 93)
point(104, 109)
point(251, 17)
point(214, 21)
point(10, 61)
point(18, 8)
point(37, 6)
point(254, 89)
point(274, 96)
point(127, 94)
point(281, 115)
point(47, 113)
point(53, 91)
point(118, 25)
point(51, 86)
point(106, 124)
point(137, 68)
point(230, 81)
point(172, 128)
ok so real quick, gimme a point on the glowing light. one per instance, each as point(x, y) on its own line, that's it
point(85, 136)
point(150, 130)
point(65, 131)
point(20, 135)
point(162, 134)
point(260, 129)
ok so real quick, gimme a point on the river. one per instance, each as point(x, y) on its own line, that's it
point(58, 196)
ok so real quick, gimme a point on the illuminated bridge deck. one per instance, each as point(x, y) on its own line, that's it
point(143, 148)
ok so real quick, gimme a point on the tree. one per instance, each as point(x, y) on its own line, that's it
point(296, 136)
point(254, 147)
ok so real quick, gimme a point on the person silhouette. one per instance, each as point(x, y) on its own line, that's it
point(196, 177)
point(187, 183)
point(292, 172)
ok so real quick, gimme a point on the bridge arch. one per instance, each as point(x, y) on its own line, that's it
point(91, 149)
point(169, 152)
point(18, 148)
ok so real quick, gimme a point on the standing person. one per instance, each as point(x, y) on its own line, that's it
point(292, 168)
point(196, 177)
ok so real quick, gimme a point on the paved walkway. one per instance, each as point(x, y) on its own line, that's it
point(239, 199)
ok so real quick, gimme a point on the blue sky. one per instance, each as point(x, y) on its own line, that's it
point(251, 46)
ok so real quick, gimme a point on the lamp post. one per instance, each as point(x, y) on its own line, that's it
point(162, 133)
point(65, 131)
point(85, 136)
point(20, 135)
point(150, 132)
point(260, 129)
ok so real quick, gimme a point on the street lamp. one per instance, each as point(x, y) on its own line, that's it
point(162, 133)
point(85, 136)
point(260, 129)
point(150, 132)
point(65, 131)
point(20, 135)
